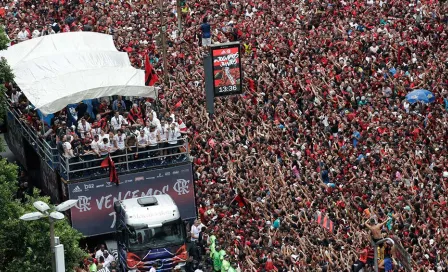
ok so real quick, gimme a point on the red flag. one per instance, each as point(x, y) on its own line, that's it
point(324, 221)
point(178, 104)
point(113, 175)
point(240, 200)
point(150, 75)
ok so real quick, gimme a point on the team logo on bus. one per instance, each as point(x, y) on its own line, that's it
point(181, 186)
point(83, 204)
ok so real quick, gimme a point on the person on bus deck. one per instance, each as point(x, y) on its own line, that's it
point(173, 136)
point(119, 105)
point(117, 121)
point(135, 113)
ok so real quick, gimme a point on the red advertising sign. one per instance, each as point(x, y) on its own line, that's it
point(227, 76)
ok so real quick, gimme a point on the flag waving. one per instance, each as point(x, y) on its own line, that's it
point(113, 176)
point(178, 104)
point(239, 198)
point(324, 221)
point(150, 75)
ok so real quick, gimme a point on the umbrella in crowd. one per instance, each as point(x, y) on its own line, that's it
point(420, 95)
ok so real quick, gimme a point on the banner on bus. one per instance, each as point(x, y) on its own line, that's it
point(94, 213)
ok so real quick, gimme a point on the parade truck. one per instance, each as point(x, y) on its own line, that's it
point(150, 230)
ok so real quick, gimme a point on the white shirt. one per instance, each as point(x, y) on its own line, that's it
point(120, 140)
point(195, 232)
point(173, 134)
point(147, 130)
point(142, 140)
point(117, 122)
point(67, 147)
point(22, 35)
point(152, 269)
point(96, 131)
point(324, 120)
point(83, 128)
point(108, 260)
point(104, 148)
point(154, 121)
point(94, 146)
point(152, 138)
point(163, 129)
point(15, 97)
point(101, 137)
point(374, 49)
point(35, 33)
point(99, 253)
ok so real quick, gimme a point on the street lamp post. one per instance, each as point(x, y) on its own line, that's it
point(163, 33)
point(179, 16)
point(53, 214)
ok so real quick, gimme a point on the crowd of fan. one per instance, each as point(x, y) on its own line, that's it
point(322, 126)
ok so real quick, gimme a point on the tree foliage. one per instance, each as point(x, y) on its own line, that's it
point(4, 40)
point(26, 244)
point(6, 75)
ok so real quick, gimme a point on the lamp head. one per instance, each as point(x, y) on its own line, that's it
point(66, 205)
point(32, 216)
point(56, 215)
point(41, 206)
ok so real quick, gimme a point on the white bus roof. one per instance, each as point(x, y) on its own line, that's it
point(136, 212)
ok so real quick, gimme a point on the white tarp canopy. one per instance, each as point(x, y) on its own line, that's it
point(56, 70)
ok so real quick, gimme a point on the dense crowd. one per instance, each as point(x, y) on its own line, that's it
point(322, 129)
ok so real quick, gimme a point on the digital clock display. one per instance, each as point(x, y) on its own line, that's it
point(226, 69)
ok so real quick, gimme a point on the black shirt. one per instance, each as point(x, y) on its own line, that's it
point(56, 28)
point(87, 28)
point(81, 109)
point(60, 147)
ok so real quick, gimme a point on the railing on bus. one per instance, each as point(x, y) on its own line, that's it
point(87, 166)
point(48, 153)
